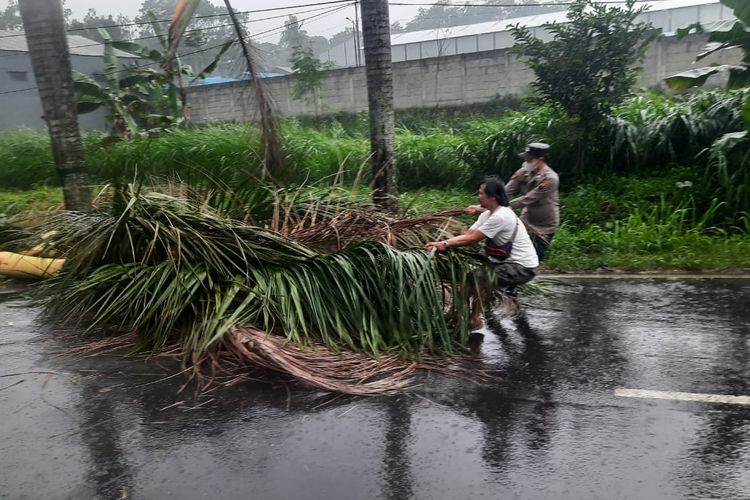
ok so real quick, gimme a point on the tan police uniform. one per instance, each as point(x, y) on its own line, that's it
point(540, 201)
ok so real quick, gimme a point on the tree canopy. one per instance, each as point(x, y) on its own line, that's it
point(590, 65)
point(443, 14)
point(92, 21)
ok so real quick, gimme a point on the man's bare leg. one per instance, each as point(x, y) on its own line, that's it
point(478, 298)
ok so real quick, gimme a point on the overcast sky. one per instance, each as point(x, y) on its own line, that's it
point(323, 24)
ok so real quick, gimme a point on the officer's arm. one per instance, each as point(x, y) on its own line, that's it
point(545, 189)
point(513, 185)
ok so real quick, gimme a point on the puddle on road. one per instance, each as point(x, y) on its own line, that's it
point(111, 428)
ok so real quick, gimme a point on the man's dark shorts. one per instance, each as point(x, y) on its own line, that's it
point(503, 275)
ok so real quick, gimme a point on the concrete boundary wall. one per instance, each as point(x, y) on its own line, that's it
point(446, 81)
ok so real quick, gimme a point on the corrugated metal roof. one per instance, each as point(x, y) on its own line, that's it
point(528, 21)
point(475, 29)
point(15, 41)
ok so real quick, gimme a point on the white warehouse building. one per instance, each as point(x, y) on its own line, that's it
point(664, 15)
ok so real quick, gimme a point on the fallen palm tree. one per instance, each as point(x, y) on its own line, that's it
point(14, 265)
point(360, 316)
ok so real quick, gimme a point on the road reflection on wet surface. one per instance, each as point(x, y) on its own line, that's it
point(552, 428)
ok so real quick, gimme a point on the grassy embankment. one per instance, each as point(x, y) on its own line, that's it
point(657, 197)
point(653, 236)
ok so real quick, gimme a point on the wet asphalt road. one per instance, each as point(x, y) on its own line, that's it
point(553, 429)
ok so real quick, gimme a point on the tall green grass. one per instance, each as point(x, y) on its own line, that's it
point(27, 159)
point(228, 152)
point(627, 223)
point(438, 158)
point(433, 159)
point(41, 198)
point(648, 135)
point(313, 155)
point(609, 198)
point(657, 237)
point(652, 130)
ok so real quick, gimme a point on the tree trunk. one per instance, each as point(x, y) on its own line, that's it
point(48, 47)
point(377, 40)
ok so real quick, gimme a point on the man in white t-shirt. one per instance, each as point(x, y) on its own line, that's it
point(497, 227)
point(537, 184)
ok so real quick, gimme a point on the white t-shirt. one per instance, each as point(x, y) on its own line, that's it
point(499, 226)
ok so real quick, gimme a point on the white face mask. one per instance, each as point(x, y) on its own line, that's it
point(527, 166)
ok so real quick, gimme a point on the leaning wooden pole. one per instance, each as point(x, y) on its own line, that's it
point(269, 126)
point(47, 41)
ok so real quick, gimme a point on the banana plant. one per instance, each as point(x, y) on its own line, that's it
point(121, 102)
point(724, 35)
point(147, 97)
point(732, 148)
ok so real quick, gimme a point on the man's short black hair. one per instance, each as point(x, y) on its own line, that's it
point(494, 187)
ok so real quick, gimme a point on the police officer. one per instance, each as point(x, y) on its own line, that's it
point(536, 185)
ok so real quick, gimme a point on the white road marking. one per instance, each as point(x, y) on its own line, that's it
point(683, 396)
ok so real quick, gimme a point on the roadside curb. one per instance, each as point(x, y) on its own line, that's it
point(616, 276)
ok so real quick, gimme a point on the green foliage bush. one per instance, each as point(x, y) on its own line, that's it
point(652, 131)
point(642, 242)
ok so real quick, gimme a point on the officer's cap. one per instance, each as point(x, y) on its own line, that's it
point(535, 150)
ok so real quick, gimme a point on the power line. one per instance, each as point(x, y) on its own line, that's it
point(329, 11)
point(271, 9)
point(543, 4)
point(329, 2)
point(256, 36)
point(144, 66)
point(266, 33)
point(18, 90)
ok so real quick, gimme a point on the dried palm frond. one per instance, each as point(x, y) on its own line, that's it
point(245, 351)
point(269, 126)
point(179, 273)
point(354, 225)
point(326, 218)
point(346, 372)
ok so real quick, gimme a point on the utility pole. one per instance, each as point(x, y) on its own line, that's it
point(357, 48)
point(355, 40)
point(355, 28)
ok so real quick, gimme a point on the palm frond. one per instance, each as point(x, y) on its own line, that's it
point(177, 272)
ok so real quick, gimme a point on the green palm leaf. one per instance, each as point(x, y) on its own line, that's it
point(176, 272)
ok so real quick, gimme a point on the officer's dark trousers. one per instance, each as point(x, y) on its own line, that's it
point(541, 244)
